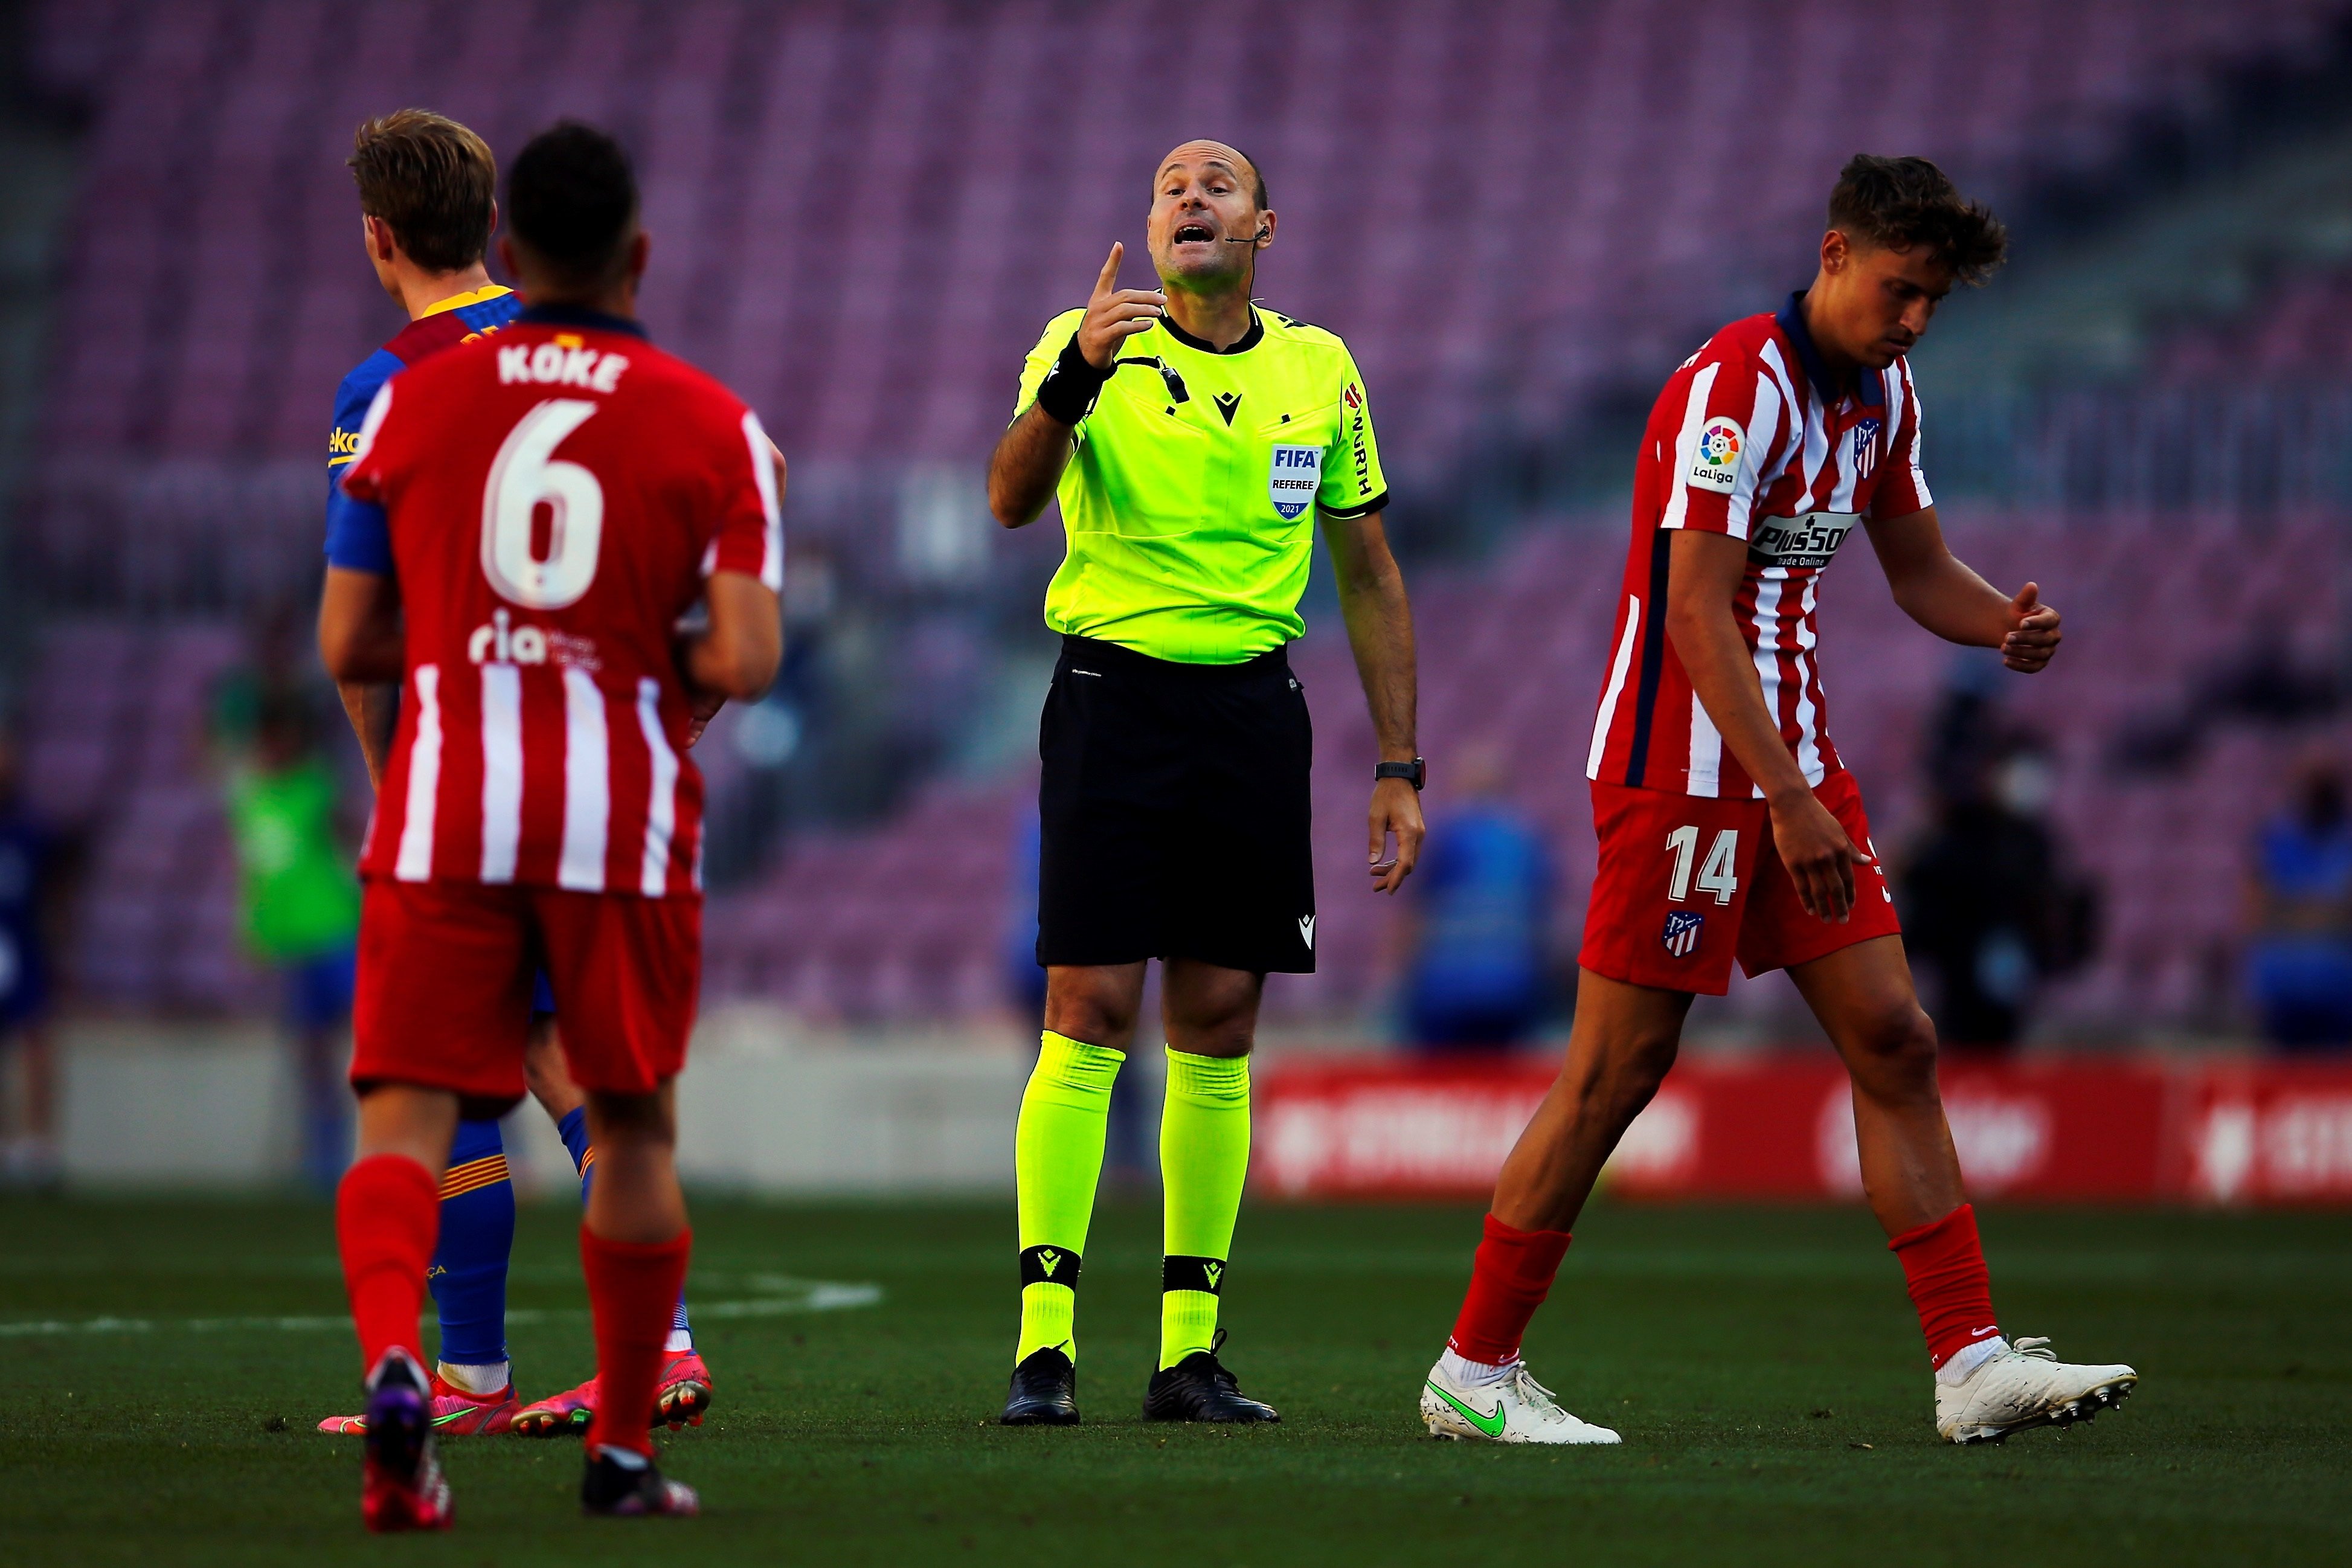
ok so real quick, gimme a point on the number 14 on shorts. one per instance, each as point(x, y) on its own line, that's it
point(1717, 873)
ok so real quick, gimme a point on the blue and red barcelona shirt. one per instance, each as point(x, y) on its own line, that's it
point(459, 319)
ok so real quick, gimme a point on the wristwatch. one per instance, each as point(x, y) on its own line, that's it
point(1416, 770)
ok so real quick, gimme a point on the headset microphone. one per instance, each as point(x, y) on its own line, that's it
point(1263, 234)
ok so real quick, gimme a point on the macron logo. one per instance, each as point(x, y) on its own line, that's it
point(1307, 930)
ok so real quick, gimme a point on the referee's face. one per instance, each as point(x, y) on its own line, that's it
point(1205, 226)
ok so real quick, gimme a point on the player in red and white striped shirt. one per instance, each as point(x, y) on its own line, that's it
point(554, 499)
point(1755, 440)
point(1727, 827)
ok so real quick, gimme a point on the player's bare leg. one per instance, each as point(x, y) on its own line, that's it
point(547, 1073)
point(387, 1214)
point(683, 1392)
point(1620, 1048)
point(1986, 1388)
point(632, 1245)
point(1863, 998)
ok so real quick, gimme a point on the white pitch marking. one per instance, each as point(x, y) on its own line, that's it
point(794, 1295)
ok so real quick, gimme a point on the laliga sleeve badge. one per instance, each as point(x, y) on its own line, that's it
point(1682, 932)
point(1714, 458)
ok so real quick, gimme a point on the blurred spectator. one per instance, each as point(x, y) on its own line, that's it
point(301, 904)
point(28, 863)
point(2300, 958)
point(1990, 908)
point(1480, 940)
point(2266, 684)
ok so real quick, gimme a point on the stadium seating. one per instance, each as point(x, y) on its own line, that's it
point(2301, 330)
point(863, 215)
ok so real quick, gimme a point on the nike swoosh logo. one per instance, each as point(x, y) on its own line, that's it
point(1492, 1425)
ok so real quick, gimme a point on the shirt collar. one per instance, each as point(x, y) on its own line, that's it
point(1247, 342)
point(580, 316)
point(460, 301)
point(1867, 385)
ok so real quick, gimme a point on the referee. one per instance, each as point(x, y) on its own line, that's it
point(1192, 437)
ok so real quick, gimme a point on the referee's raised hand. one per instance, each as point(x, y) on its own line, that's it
point(1114, 314)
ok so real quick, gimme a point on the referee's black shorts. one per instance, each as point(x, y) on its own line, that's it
point(1175, 812)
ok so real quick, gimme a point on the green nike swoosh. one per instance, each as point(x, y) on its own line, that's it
point(1492, 1425)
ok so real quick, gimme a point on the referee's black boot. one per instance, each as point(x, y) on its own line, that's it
point(1199, 1388)
point(1044, 1392)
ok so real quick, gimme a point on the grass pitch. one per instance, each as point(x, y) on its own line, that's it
point(1762, 1363)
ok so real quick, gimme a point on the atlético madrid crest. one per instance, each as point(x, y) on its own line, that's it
point(1682, 932)
point(1865, 447)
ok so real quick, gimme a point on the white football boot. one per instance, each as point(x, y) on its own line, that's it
point(2026, 1385)
point(1517, 1409)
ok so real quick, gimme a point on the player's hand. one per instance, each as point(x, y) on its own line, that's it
point(1820, 859)
point(2033, 634)
point(1396, 809)
point(1114, 314)
point(706, 705)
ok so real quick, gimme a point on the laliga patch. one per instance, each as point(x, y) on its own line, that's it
point(1292, 478)
point(1714, 460)
point(1681, 935)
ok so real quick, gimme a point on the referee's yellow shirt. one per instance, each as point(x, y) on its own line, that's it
point(1189, 502)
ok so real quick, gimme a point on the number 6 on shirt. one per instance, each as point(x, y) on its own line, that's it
point(525, 474)
point(1718, 875)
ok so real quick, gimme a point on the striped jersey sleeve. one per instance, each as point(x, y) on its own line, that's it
point(1903, 487)
point(750, 534)
point(1733, 427)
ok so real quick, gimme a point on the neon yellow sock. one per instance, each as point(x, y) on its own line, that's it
point(1204, 1141)
point(1057, 1155)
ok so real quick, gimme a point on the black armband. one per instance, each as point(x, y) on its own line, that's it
point(1068, 392)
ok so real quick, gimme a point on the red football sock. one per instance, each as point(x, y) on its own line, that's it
point(632, 1292)
point(1943, 1262)
point(387, 1215)
point(1508, 1280)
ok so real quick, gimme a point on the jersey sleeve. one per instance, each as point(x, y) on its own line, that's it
point(353, 397)
point(1353, 485)
point(1903, 487)
point(358, 534)
point(749, 535)
point(1041, 358)
point(1732, 425)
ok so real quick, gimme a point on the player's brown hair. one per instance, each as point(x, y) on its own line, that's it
point(433, 181)
point(571, 203)
point(1899, 203)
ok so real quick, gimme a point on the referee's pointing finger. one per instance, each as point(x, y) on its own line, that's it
point(1110, 269)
